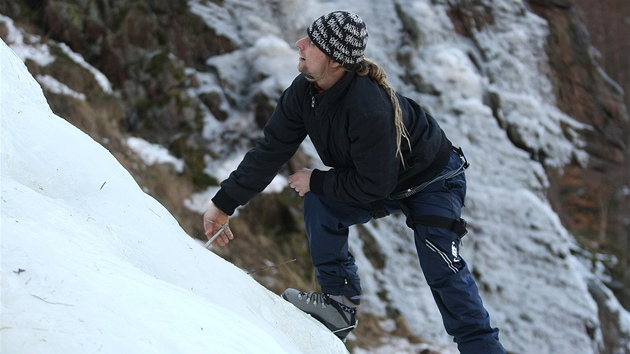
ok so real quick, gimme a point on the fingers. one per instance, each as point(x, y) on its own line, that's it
point(300, 188)
point(300, 192)
point(222, 232)
point(215, 223)
point(224, 238)
point(296, 185)
point(301, 181)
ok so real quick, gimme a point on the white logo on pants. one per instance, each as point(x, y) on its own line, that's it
point(454, 252)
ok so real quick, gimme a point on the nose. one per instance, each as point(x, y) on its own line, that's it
point(300, 43)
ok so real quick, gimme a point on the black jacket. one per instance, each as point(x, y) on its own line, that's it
point(352, 127)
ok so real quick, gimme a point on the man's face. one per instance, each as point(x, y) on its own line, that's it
point(312, 61)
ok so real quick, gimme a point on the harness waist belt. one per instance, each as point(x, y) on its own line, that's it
point(413, 190)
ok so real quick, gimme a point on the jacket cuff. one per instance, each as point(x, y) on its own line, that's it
point(224, 202)
point(317, 181)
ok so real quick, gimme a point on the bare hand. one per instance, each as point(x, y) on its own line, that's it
point(213, 220)
point(301, 181)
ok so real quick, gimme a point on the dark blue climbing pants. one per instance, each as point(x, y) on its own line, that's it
point(453, 287)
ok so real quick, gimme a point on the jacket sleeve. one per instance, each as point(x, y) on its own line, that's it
point(283, 135)
point(375, 166)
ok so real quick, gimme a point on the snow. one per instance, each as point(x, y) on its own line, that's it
point(90, 263)
point(24, 44)
point(100, 78)
point(154, 154)
point(55, 86)
point(106, 267)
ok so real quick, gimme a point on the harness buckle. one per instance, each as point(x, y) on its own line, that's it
point(462, 156)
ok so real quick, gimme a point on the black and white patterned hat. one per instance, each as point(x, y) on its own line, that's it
point(340, 35)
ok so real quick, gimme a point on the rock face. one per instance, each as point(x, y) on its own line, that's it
point(156, 52)
point(593, 201)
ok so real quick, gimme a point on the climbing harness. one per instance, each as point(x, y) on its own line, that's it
point(413, 190)
point(458, 226)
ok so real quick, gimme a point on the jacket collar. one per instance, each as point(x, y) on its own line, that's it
point(334, 93)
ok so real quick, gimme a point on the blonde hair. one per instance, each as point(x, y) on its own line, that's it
point(372, 70)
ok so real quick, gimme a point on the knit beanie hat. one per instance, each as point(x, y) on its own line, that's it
point(340, 35)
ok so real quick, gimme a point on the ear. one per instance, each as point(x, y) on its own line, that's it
point(335, 67)
point(333, 64)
